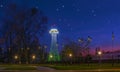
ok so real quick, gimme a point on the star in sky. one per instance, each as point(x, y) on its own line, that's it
point(1, 5)
point(57, 9)
point(63, 6)
point(78, 10)
point(60, 19)
point(94, 15)
point(93, 12)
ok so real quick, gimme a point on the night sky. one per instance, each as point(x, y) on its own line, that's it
point(78, 18)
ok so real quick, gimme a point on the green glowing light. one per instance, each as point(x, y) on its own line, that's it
point(53, 54)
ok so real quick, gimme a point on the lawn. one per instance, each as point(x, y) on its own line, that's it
point(85, 66)
point(93, 66)
point(18, 67)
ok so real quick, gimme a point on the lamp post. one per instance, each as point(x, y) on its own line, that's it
point(16, 57)
point(70, 56)
point(51, 57)
point(9, 58)
point(27, 55)
point(99, 54)
point(33, 58)
point(44, 52)
point(112, 48)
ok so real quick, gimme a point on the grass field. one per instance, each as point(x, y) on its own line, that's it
point(60, 66)
point(18, 67)
point(85, 66)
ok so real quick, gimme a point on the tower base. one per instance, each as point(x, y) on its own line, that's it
point(53, 57)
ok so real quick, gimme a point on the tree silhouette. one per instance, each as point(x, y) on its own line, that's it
point(77, 49)
point(21, 28)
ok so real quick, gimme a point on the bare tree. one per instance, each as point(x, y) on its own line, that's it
point(21, 28)
point(77, 49)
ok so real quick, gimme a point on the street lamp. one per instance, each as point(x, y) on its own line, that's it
point(33, 57)
point(44, 51)
point(51, 56)
point(16, 57)
point(99, 53)
point(70, 55)
point(27, 55)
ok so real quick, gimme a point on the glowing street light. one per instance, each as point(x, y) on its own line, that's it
point(16, 57)
point(51, 56)
point(70, 55)
point(99, 53)
point(33, 57)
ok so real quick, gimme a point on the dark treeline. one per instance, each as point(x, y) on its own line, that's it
point(20, 33)
point(76, 52)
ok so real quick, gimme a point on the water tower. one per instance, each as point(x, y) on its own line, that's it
point(53, 54)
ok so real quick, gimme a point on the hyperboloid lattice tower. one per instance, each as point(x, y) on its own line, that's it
point(53, 54)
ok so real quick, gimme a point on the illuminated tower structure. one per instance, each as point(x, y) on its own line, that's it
point(53, 54)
